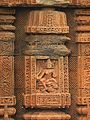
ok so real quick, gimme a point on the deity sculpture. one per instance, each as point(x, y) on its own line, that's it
point(47, 77)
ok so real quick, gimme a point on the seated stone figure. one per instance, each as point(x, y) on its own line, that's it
point(51, 2)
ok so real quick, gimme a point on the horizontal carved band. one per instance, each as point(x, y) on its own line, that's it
point(84, 49)
point(82, 110)
point(7, 36)
point(7, 27)
point(83, 100)
point(10, 101)
point(39, 100)
point(47, 29)
point(82, 12)
point(47, 116)
point(7, 11)
point(20, 2)
point(84, 2)
point(85, 20)
point(7, 19)
point(83, 28)
point(10, 111)
point(83, 37)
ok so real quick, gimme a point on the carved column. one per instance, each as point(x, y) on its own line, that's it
point(7, 37)
point(46, 66)
point(82, 18)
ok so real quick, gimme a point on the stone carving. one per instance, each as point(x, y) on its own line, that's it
point(26, 2)
point(7, 19)
point(7, 27)
point(81, 2)
point(84, 49)
point(45, 85)
point(7, 11)
point(52, 22)
point(47, 77)
point(7, 37)
point(83, 37)
point(6, 48)
point(82, 19)
point(51, 2)
point(49, 114)
point(54, 46)
point(6, 76)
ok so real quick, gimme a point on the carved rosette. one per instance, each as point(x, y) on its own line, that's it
point(7, 37)
point(46, 65)
point(83, 39)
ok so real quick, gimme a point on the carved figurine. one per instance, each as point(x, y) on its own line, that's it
point(47, 77)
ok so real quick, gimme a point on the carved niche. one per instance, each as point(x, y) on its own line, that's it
point(46, 85)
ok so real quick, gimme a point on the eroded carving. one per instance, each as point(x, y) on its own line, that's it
point(51, 2)
point(52, 22)
point(49, 114)
point(54, 46)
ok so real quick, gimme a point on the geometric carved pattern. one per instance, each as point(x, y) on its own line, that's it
point(83, 39)
point(52, 22)
point(6, 76)
point(7, 37)
point(45, 86)
point(24, 2)
point(84, 80)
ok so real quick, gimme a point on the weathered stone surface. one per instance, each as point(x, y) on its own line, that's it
point(7, 36)
point(83, 37)
point(7, 11)
point(54, 46)
point(47, 115)
point(49, 21)
point(52, 2)
point(7, 19)
point(7, 27)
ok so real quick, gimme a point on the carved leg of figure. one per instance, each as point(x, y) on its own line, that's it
point(43, 80)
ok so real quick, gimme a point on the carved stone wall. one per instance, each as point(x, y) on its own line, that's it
point(7, 37)
point(45, 59)
point(83, 99)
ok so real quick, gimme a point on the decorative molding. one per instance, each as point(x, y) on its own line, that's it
point(48, 21)
point(7, 37)
point(50, 115)
point(83, 37)
point(36, 45)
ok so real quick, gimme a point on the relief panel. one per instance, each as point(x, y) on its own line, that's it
point(46, 85)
